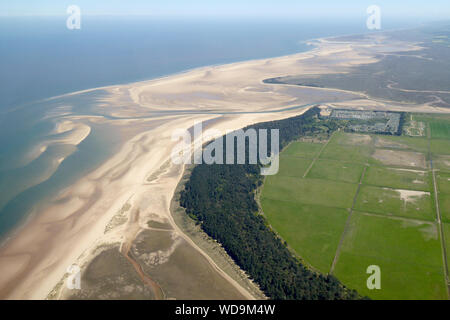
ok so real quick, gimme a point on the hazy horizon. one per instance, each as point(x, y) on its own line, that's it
point(433, 9)
point(48, 59)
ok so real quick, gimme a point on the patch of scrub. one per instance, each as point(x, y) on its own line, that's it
point(179, 269)
point(158, 225)
point(149, 241)
point(111, 276)
point(157, 222)
point(169, 242)
point(119, 218)
point(159, 172)
point(400, 158)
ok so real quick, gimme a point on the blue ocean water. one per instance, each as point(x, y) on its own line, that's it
point(41, 58)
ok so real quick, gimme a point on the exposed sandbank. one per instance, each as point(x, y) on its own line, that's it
point(72, 225)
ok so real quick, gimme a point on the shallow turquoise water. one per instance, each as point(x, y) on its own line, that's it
point(40, 58)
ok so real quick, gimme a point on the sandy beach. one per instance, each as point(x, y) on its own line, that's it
point(69, 228)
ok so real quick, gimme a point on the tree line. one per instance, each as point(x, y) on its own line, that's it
point(221, 198)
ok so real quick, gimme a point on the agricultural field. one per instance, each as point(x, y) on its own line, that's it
point(402, 142)
point(340, 148)
point(438, 134)
point(447, 239)
point(303, 149)
point(440, 147)
point(366, 199)
point(439, 125)
point(395, 202)
point(440, 129)
point(310, 191)
point(336, 171)
point(444, 204)
point(398, 178)
point(441, 162)
point(313, 232)
point(410, 269)
point(293, 166)
point(443, 181)
point(398, 158)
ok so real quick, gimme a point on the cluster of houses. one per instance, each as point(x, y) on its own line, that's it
point(370, 121)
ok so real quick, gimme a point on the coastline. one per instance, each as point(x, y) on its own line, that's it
point(35, 259)
point(311, 43)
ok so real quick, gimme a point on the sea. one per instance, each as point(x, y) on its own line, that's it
point(41, 58)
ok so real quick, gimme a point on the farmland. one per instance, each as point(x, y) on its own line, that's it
point(395, 202)
point(367, 199)
point(313, 232)
point(410, 269)
point(398, 178)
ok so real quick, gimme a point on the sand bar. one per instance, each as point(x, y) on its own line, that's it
point(231, 96)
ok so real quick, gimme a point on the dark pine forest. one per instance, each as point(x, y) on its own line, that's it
point(221, 198)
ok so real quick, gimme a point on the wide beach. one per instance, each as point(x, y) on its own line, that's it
point(72, 226)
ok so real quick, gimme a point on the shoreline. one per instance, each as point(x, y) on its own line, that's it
point(164, 76)
point(159, 178)
point(306, 42)
point(35, 260)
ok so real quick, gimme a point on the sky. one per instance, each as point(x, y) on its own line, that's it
point(406, 9)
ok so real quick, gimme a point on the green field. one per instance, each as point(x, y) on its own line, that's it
point(414, 127)
point(398, 178)
point(393, 222)
point(438, 124)
point(336, 170)
point(444, 205)
point(446, 227)
point(439, 135)
point(310, 191)
point(351, 139)
point(303, 149)
point(292, 166)
point(346, 153)
point(443, 181)
point(339, 149)
point(403, 142)
point(312, 231)
point(391, 202)
point(441, 162)
point(406, 273)
point(438, 146)
point(440, 129)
